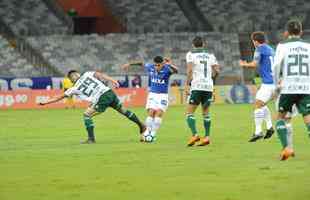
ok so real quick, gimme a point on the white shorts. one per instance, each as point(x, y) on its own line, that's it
point(265, 92)
point(157, 101)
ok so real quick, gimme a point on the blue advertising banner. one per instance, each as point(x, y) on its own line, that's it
point(30, 83)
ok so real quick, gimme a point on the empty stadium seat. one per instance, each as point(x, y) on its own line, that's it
point(108, 52)
point(12, 63)
point(30, 17)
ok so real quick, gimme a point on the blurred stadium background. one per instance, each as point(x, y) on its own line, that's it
point(40, 157)
point(48, 37)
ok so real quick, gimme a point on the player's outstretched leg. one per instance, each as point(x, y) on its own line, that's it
point(132, 117)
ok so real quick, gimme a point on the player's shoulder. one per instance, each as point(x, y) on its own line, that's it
point(265, 49)
point(189, 55)
point(293, 40)
point(199, 50)
point(167, 67)
point(149, 65)
point(87, 73)
point(66, 80)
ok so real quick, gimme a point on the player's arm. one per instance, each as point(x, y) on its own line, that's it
point(252, 64)
point(215, 71)
point(53, 100)
point(104, 77)
point(126, 66)
point(215, 67)
point(277, 65)
point(174, 69)
point(189, 72)
point(189, 77)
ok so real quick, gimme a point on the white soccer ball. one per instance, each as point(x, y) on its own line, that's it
point(148, 137)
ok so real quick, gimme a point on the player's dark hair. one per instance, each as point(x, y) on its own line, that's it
point(158, 59)
point(198, 42)
point(71, 72)
point(294, 27)
point(258, 36)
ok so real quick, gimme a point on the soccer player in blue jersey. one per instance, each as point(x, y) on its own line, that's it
point(159, 74)
point(263, 61)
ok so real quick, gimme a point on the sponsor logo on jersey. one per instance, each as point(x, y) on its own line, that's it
point(160, 81)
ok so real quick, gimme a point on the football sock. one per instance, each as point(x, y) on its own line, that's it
point(207, 124)
point(259, 119)
point(133, 117)
point(289, 135)
point(282, 132)
point(267, 117)
point(89, 124)
point(308, 128)
point(156, 125)
point(149, 123)
point(191, 122)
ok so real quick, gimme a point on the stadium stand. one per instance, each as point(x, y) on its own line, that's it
point(243, 16)
point(40, 21)
point(149, 16)
point(108, 52)
point(250, 15)
point(12, 63)
point(155, 27)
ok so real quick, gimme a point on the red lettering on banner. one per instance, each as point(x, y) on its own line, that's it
point(29, 99)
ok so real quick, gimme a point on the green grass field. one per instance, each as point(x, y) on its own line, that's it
point(41, 158)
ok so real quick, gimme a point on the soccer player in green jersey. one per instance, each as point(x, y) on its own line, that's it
point(292, 67)
point(90, 87)
point(202, 67)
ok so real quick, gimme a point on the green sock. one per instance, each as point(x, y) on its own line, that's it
point(308, 128)
point(207, 124)
point(89, 124)
point(133, 117)
point(282, 132)
point(191, 122)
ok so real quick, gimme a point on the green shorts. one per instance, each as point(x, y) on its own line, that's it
point(108, 99)
point(200, 97)
point(302, 102)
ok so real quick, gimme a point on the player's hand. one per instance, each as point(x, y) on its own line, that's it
point(115, 83)
point(242, 63)
point(167, 60)
point(125, 66)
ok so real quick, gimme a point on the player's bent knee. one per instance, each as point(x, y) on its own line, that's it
point(151, 112)
point(259, 104)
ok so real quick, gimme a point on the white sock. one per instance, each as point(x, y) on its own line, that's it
point(149, 123)
point(259, 119)
point(289, 135)
point(267, 117)
point(156, 125)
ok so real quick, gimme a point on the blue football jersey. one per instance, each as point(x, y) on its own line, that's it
point(263, 56)
point(158, 81)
